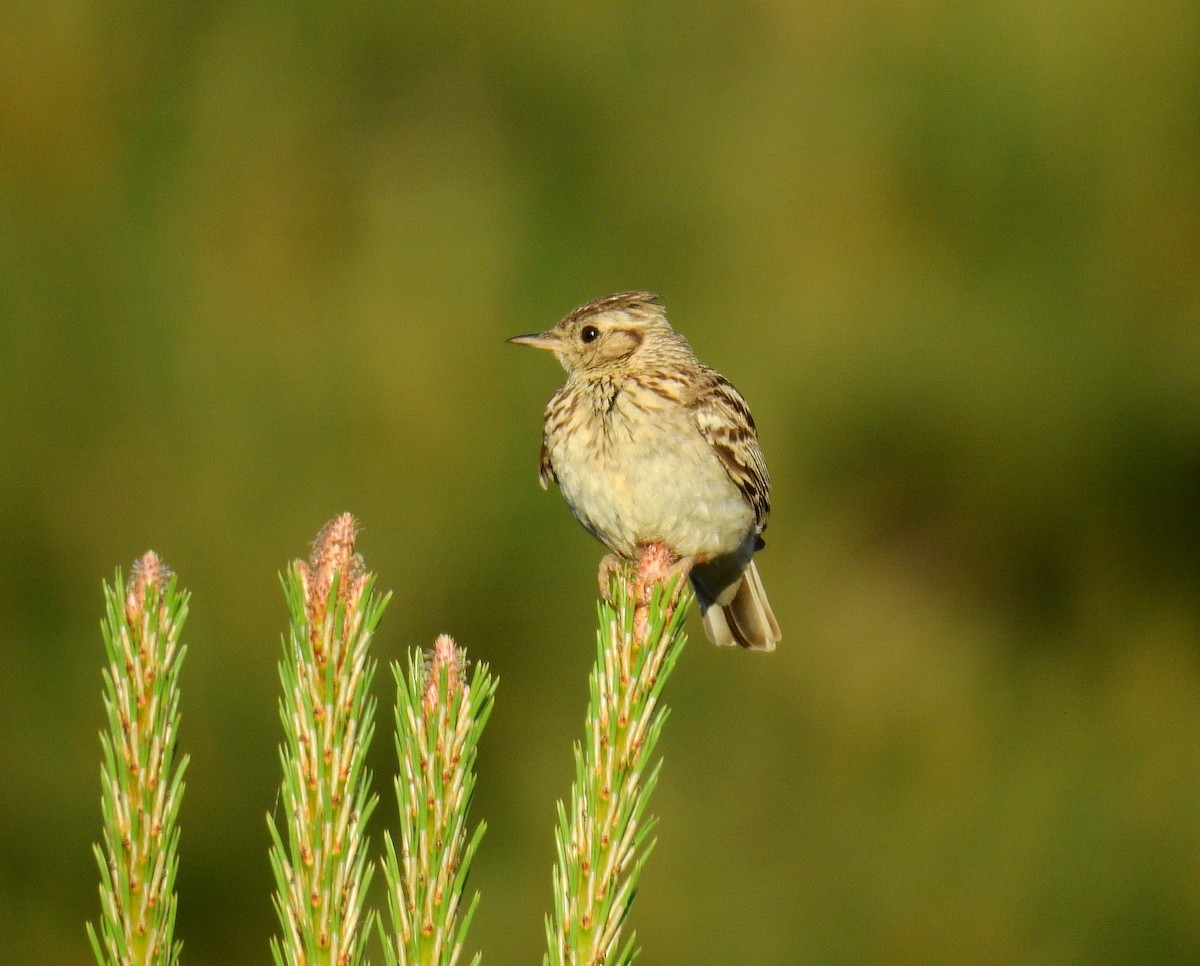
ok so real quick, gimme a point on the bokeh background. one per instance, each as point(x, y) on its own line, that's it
point(257, 265)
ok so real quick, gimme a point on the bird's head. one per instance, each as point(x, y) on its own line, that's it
point(608, 334)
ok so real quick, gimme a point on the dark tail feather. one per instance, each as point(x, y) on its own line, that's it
point(745, 620)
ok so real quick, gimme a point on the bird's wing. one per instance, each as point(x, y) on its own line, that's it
point(724, 419)
point(551, 422)
point(546, 472)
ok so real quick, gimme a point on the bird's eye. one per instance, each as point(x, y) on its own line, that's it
point(589, 333)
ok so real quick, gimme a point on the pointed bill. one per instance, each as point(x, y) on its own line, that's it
point(548, 340)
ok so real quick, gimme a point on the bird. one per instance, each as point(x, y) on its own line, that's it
point(648, 445)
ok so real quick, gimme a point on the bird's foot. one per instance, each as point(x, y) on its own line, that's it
point(654, 563)
point(678, 575)
point(610, 565)
point(657, 563)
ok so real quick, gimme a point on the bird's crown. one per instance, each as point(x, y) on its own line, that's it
point(617, 331)
point(636, 303)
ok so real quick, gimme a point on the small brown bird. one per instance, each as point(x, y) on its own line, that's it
point(650, 446)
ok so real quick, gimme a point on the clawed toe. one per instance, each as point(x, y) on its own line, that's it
point(680, 572)
point(608, 566)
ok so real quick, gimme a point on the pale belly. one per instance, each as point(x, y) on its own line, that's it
point(667, 487)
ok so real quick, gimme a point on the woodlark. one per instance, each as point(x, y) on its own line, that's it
point(650, 446)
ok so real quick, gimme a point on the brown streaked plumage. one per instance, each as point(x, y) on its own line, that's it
point(650, 446)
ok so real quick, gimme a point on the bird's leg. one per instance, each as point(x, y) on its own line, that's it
point(608, 566)
point(657, 563)
point(680, 571)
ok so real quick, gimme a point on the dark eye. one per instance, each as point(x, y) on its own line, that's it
point(589, 333)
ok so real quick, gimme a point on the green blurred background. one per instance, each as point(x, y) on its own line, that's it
point(257, 265)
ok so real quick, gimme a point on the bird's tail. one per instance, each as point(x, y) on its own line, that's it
point(738, 614)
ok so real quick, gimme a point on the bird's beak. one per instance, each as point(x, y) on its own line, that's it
point(548, 340)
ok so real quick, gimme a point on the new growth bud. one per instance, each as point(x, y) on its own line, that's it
point(445, 654)
point(148, 571)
